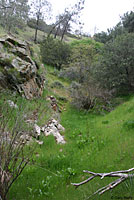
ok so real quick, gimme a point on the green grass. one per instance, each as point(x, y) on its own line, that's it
point(29, 33)
point(26, 34)
point(87, 41)
point(94, 142)
point(100, 143)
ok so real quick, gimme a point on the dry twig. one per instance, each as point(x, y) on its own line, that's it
point(13, 155)
point(123, 175)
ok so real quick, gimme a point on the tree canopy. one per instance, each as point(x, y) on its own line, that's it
point(14, 13)
point(115, 69)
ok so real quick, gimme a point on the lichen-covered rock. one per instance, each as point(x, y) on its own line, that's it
point(17, 69)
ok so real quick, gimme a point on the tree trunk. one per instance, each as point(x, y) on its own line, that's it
point(36, 30)
point(51, 31)
point(129, 79)
point(65, 29)
point(56, 33)
point(35, 37)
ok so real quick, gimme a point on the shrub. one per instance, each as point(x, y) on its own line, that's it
point(54, 52)
point(82, 96)
point(129, 124)
point(88, 95)
point(115, 70)
point(14, 156)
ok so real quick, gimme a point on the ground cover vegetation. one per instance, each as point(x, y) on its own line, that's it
point(101, 144)
point(92, 80)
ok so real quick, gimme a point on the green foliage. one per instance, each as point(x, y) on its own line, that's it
point(128, 21)
point(42, 26)
point(129, 124)
point(115, 69)
point(116, 31)
point(99, 143)
point(84, 53)
point(87, 42)
point(14, 14)
point(55, 52)
point(101, 37)
point(84, 91)
point(111, 34)
point(126, 25)
point(43, 189)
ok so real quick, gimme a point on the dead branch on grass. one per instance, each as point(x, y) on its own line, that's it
point(122, 176)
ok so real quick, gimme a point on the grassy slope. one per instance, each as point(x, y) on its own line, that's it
point(94, 142)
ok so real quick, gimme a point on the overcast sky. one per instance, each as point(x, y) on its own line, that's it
point(98, 15)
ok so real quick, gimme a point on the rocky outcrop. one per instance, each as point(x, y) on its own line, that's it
point(53, 103)
point(17, 69)
point(54, 128)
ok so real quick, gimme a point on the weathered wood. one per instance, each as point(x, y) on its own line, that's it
point(123, 175)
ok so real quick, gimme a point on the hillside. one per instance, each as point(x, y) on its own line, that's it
point(95, 141)
point(100, 143)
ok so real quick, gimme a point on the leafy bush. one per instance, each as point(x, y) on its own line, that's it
point(54, 52)
point(115, 70)
point(84, 53)
point(129, 124)
point(105, 37)
point(84, 91)
point(128, 21)
point(42, 26)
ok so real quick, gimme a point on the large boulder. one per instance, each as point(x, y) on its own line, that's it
point(17, 69)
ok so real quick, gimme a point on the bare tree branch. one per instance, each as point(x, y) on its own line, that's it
point(123, 175)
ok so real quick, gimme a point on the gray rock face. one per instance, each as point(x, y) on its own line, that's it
point(17, 70)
